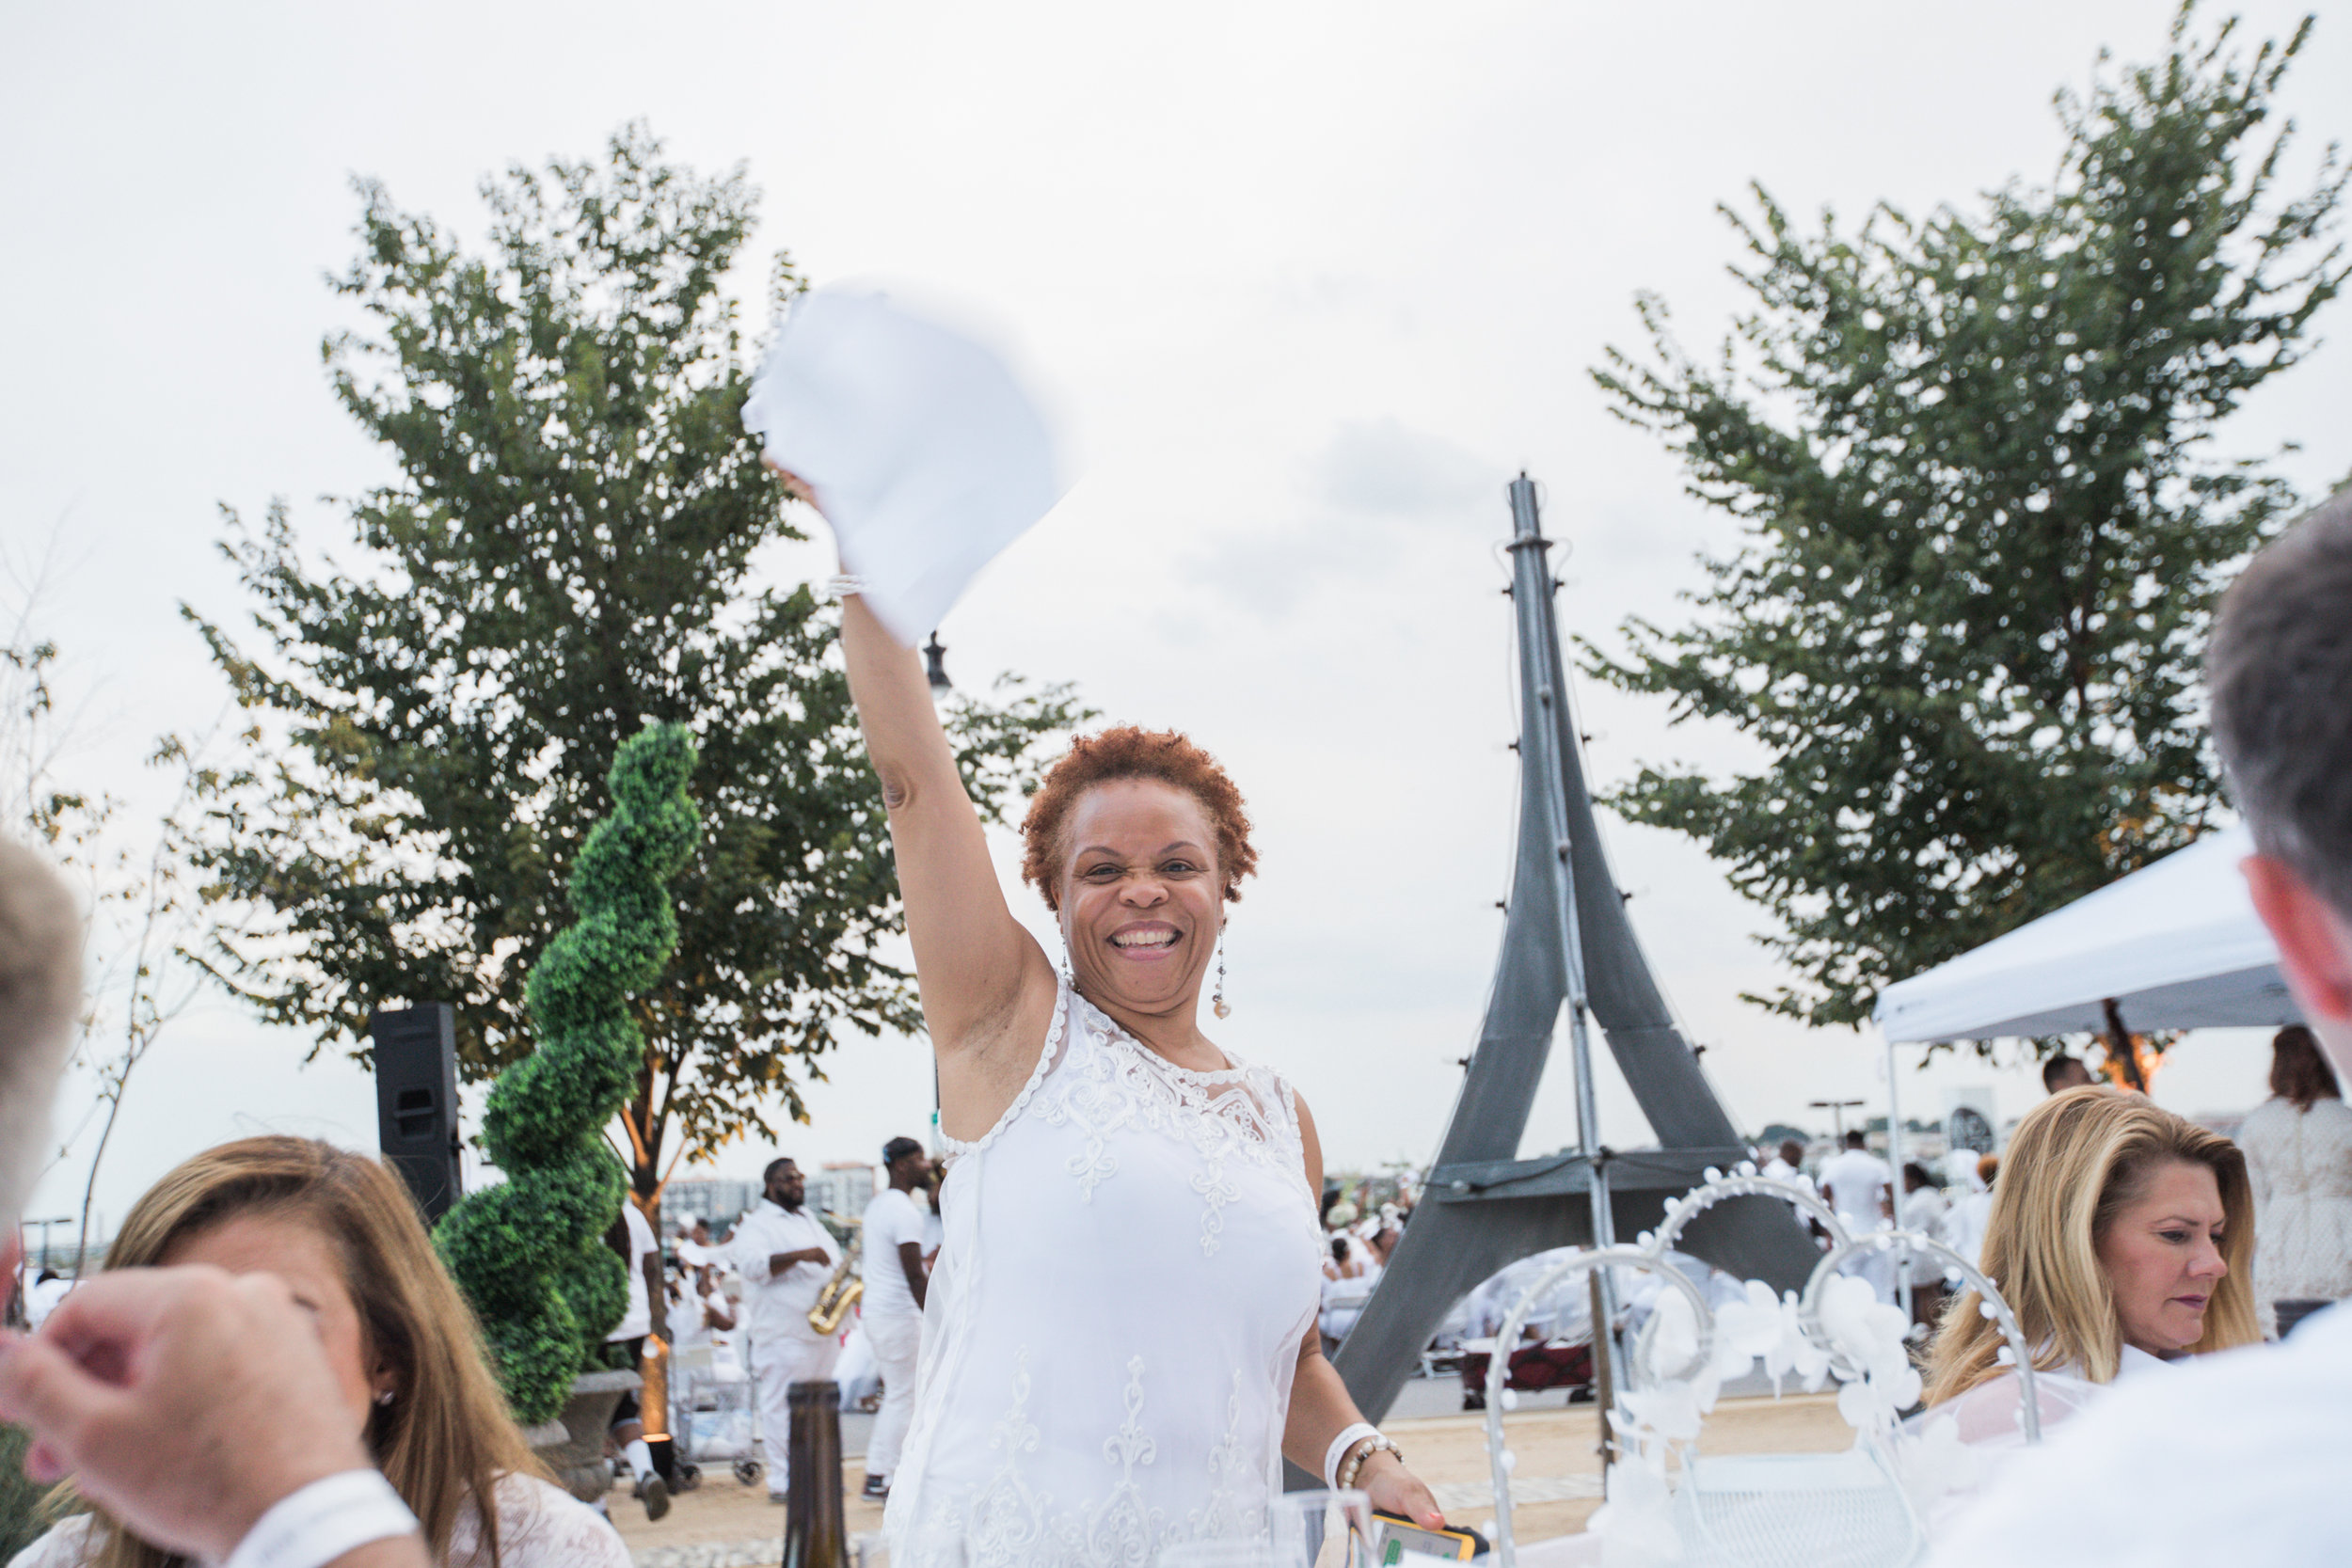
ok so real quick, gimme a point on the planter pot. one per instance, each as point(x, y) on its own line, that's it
point(572, 1444)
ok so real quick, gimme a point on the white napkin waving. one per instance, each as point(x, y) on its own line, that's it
point(923, 453)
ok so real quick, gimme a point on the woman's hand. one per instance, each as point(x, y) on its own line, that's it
point(1394, 1489)
point(794, 485)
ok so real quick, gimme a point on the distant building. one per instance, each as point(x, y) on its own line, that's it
point(716, 1201)
point(843, 1189)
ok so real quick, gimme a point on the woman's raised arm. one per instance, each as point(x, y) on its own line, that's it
point(987, 987)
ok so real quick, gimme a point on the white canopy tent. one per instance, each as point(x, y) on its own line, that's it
point(2176, 945)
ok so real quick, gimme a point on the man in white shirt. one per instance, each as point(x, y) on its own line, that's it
point(786, 1256)
point(693, 1245)
point(1924, 1208)
point(1965, 1223)
point(631, 1236)
point(42, 1296)
point(1855, 1181)
point(2241, 1457)
point(891, 1267)
point(1788, 1165)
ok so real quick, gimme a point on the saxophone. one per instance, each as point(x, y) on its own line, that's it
point(842, 1290)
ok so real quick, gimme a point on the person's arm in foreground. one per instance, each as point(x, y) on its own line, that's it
point(987, 989)
point(187, 1404)
point(1321, 1408)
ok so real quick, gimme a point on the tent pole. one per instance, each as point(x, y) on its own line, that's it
point(2120, 1044)
point(1895, 1159)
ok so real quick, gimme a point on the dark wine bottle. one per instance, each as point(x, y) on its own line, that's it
point(816, 1532)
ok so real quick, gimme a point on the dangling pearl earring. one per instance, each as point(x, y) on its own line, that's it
point(384, 1398)
point(1217, 998)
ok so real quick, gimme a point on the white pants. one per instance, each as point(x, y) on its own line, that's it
point(898, 1341)
point(859, 1373)
point(779, 1364)
point(1876, 1267)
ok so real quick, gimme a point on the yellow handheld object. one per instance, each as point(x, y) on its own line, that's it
point(1406, 1538)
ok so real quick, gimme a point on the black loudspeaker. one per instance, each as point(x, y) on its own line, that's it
point(416, 1101)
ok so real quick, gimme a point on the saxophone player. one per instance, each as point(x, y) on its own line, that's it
point(786, 1256)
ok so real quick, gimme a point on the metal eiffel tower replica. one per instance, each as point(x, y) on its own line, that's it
point(1567, 944)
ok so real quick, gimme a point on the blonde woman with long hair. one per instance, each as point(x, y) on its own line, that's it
point(339, 1230)
point(2120, 1235)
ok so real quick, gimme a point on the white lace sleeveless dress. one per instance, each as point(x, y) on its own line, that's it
point(1132, 1262)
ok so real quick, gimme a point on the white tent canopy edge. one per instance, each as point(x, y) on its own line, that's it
point(2175, 945)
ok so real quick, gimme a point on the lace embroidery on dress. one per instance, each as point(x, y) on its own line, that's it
point(1124, 1529)
point(1010, 1522)
point(1007, 1521)
point(540, 1526)
point(1221, 1518)
point(1114, 1082)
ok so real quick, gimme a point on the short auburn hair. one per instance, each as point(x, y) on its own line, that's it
point(1130, 753)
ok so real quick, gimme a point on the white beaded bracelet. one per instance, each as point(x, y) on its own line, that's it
point(314, 1526)
point(1351, 1469)
point(843, 585)
point(1348, 1439)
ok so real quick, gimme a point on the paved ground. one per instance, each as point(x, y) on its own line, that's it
point(1555, 1486)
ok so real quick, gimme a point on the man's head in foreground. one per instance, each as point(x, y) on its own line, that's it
point(2281, 674)
point(40, 993)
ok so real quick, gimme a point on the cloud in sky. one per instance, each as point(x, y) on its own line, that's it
point(1311, 282)
point(1375, 489)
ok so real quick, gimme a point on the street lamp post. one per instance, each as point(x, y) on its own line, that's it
point(1837, 1109)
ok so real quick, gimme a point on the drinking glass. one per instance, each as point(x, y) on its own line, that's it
point(1304, 1529)
point(1324, 1529)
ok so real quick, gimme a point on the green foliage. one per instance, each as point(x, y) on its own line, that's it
point(573, 548)
point(1982, 539)
point(530, 1253)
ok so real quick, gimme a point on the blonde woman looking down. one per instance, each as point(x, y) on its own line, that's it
point(1120, 1343)
point(340, 1231)
point(2120, 1235)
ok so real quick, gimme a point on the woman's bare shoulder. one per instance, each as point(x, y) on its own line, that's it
point(983, 1073)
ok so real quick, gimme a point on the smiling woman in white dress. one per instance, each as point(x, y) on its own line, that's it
point(1119, 1342)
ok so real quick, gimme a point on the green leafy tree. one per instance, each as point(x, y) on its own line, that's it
point(1983, 530)
point(571, 550)
point(530, 1252)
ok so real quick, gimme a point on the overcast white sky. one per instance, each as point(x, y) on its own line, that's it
point(1309, 281)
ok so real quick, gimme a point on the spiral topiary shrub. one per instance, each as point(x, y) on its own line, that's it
point(530, 1254)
